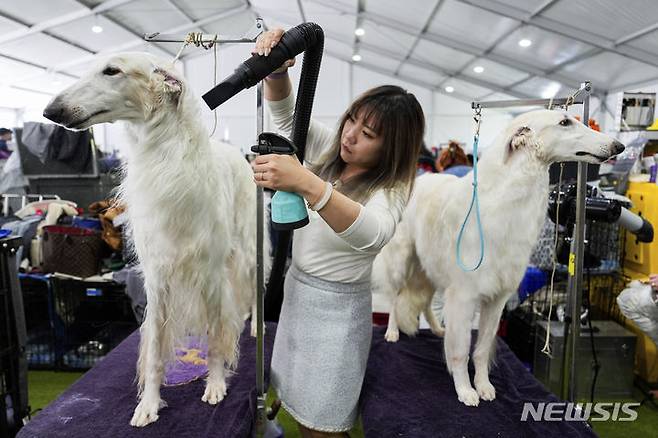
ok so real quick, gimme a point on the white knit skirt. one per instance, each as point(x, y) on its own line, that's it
point(321, 350)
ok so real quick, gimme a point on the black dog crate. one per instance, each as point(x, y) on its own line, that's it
point(91, 318)
point(13, 365)
point(39, 312)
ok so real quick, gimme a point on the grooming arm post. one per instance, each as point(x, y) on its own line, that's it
point(260, 286)
point(575, 288)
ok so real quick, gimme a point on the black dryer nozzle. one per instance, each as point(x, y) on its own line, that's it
point(254, 69)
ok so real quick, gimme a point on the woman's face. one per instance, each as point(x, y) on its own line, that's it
point(360, 145)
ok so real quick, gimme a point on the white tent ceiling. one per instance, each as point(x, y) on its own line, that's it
point(45, 44)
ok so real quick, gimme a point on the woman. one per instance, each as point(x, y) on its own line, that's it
point(357, 183)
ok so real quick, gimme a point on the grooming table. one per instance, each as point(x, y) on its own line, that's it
point(408, 392)
point(102, 402)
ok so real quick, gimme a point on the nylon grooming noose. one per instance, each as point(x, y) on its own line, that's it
point(475, 201)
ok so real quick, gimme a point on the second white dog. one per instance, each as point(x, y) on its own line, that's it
point(513, 192)
point(192, 210)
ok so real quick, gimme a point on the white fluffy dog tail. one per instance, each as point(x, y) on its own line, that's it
point(408, 307)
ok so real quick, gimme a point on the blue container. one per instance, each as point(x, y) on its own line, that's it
point(533, 280)
point(90, 223)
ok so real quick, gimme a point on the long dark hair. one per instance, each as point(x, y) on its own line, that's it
point(394, 114)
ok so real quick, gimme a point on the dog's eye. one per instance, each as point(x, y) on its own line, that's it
point(111, 71)
point(565, 122)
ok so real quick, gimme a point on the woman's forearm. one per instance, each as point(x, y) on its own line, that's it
point(277, 86)
point(339, 212)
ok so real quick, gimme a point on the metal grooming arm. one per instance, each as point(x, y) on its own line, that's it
point(574, 290)
point(249, 37)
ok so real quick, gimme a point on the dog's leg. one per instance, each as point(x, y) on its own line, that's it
point(489, 318)
point(248, 280)
point(432, 320)
point(459, 310)
point(150, 368)
point(243, 283)
point(254, 317)
point(390, 274)
point(392, 331)
point(223, 335)
point(216, 383)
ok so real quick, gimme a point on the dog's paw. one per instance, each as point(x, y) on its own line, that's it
point(214, 393)
point(468, 396)
point(486, 390)
point(392, 335)
point(146, 412)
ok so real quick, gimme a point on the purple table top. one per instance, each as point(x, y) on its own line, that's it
point(407, 392)
point(101, 403)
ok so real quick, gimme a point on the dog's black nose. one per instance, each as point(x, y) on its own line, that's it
point(617, 148)
point(55, 112)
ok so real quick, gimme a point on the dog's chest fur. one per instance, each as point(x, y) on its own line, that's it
point(174, 201)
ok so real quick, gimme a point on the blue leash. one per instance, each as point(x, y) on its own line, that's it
point(474, 201)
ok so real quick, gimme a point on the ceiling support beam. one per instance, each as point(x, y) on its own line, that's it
point(635, 35)
point(423, 65)
point(565, 30)
point(62, 19)
point(59, 68)
point(129, 30)
point(187, 16)
point(429, 20)
point(541, 8)
point(572, 82)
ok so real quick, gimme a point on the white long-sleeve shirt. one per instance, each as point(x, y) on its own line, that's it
point(318, 250)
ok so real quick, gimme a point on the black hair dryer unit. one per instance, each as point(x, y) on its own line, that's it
point(307, 37)
point(598, 208)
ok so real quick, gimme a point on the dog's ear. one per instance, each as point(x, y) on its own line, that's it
point(171, 85)
point(523, 138)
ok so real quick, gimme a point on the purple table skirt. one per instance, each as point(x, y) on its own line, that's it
point(101, 403)
point(408, 392)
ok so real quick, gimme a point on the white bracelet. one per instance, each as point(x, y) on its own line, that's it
point(328, 190)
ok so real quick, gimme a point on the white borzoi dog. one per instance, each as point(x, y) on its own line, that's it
point(192, 212)
point(513, 192)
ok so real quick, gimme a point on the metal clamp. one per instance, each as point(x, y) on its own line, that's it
point(478, 119)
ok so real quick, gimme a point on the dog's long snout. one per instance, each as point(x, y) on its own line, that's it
point(55, 111)
point(617, 148)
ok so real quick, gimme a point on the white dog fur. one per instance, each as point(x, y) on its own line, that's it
point(192, 211)
point(513, 192)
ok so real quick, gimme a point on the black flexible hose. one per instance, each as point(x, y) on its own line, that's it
point(314, 38)
point(307, 38)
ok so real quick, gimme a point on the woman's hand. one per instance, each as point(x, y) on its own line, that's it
point(266, 42)
point(282, 172)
